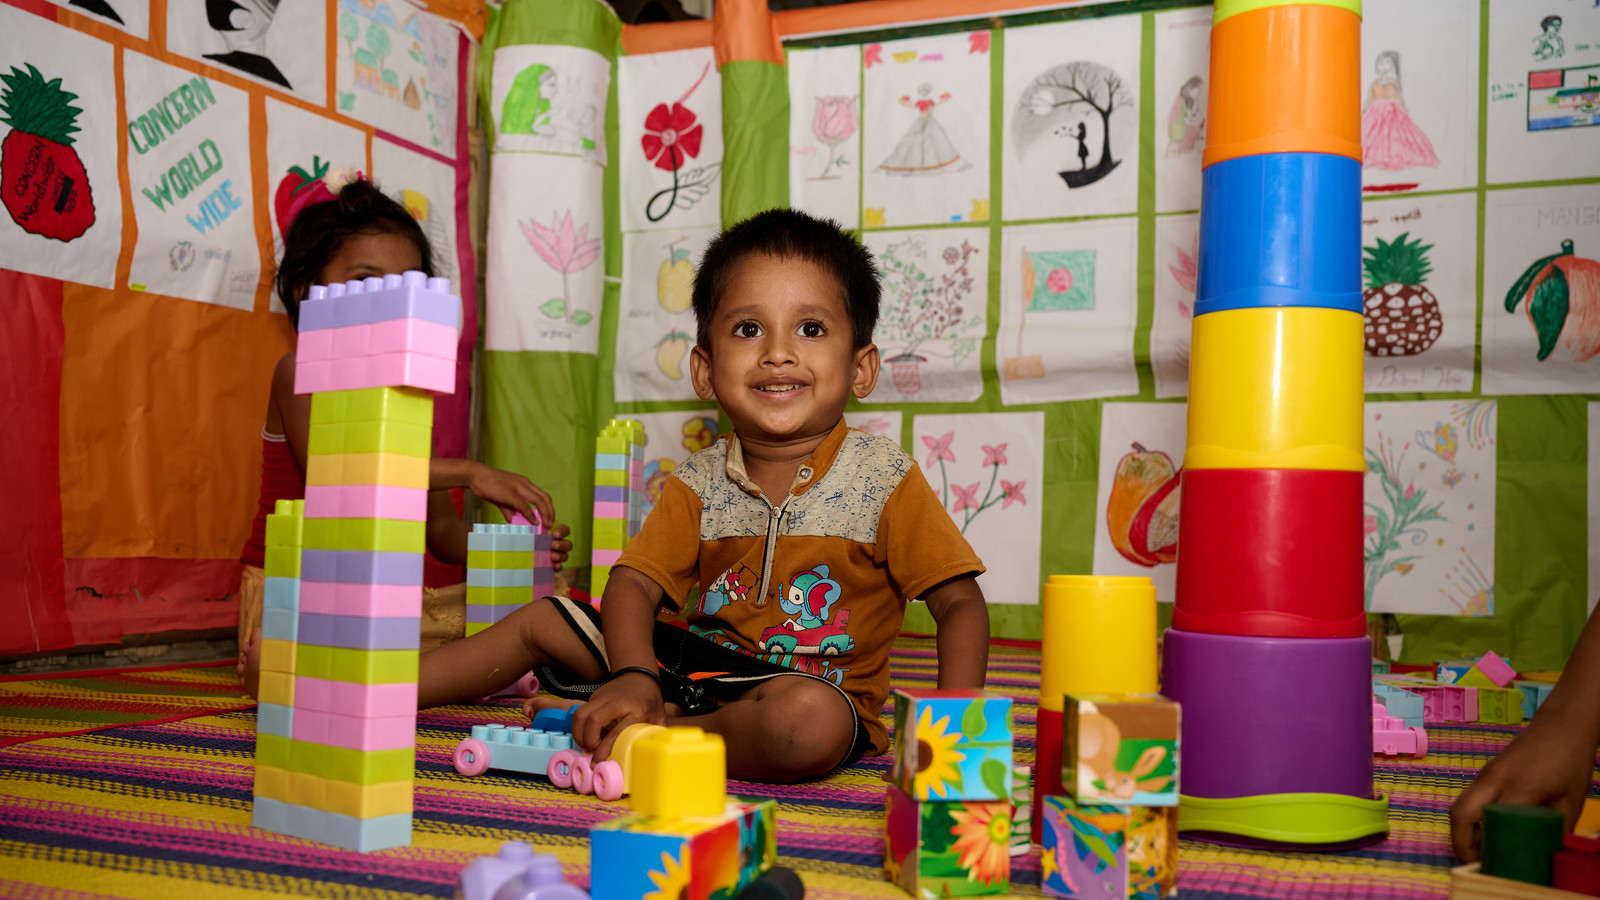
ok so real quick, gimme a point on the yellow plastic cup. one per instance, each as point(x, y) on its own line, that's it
point(1099, 637)
point(1276, 388)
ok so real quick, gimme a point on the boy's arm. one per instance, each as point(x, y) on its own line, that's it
point(1550, 763)
point(962, 618)
point(627, 617)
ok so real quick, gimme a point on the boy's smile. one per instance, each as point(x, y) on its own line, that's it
point(781, 360)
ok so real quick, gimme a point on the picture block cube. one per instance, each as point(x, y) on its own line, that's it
point(699, 858)
point(952, 745)
point(947, 848)
point(1103, 851)
point(1120, 749)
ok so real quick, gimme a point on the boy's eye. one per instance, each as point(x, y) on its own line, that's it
point(812, 330)
point(747, 330)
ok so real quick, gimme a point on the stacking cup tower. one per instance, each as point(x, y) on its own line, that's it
point(1268, 653)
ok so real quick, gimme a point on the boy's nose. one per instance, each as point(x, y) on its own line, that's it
point(777, 350)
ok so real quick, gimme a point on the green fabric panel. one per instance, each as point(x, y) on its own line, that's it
point(755, 131)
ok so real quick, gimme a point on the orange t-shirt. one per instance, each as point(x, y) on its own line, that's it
point(817, 582)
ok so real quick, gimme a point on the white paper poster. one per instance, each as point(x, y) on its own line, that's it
point(1429, 492)
point(132, 16)
point(1419, 96)
point(669, 107)
point(1183, 59)
point(1072, 119)
point(281, 45)
point(883, 423)
point(302, 148)
point(825, 133)
point(1067, 311)
point(656, 326)
point(1594, 506)
point(1541, 291)
point(397, 70)
point(988, 470)
point(1544, 90)
point(925, 142)
point(1177, 273)
point(427, 189)
point(546, 265)
point(192, 195)
point(671, 438)
point(550, 98)
point(62, 199)
point(1136, 505)
point(1419, 256)
point(931, 322)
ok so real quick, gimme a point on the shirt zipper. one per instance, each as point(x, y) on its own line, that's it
point(773, 526)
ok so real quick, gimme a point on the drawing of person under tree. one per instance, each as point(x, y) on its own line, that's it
point(925, 149)
point(1390, 140)
point(1186, 121)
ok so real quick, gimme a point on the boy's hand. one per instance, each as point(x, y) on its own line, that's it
point(513, 493)
point(630, 698)
point(1544, 766)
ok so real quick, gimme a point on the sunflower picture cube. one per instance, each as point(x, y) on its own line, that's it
point(1094, 850)
point(692, 858)
point(952, 745)
point(1120, 749)
point(956, 848)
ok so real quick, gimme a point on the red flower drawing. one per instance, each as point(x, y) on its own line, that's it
point(872, 56)
point(977, 42)
point(671, 136)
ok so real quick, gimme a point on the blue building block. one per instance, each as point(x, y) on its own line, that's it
point(496, 746)
point(1401, 703)
point(1534, 694)
point(280, 625)
point(275, 719)
point(335, 829)
point(496, 578)
point(281, 593)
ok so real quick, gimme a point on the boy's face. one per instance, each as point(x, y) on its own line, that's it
point(781, 361)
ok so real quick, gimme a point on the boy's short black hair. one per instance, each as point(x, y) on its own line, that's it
point(321, 229)
point(791, 234)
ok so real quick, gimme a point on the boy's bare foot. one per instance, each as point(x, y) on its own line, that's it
point(250, 663)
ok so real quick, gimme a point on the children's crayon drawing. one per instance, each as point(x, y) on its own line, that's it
point(261, 39)
point(671, 438)
point(132, 16)
point(825, 132)
point(1072, 118)
point(1183, 55)
point(883, 423)
point(1594, 506)
point(546, 262)
point(1541, 291)
point(427, 189)
point(986, 469)
point(931, 322)
point(1428, 529)
point(1067, 312)
point(1419, 101)
point(1137, 494)
point(670, 112)
point(1419, 261)
point(58, 152)
point(302, 149)
point(1177, 274)
point(656, 329)
point(397, 70)
point(550, 99)
point(925, 144)
point(1544, 91)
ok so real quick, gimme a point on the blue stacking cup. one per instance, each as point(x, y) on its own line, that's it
point(1280, 229)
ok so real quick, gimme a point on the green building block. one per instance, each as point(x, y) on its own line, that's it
point(611, 478)
point(499, 559)
point(386, 535)
point(506, 596)
point(406, 406)
point(282, 562)
point(357, 666)
point(344, 764)
point(371, 437)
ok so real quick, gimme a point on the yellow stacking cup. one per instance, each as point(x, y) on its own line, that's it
point(1276, 388)
point(1099, 637)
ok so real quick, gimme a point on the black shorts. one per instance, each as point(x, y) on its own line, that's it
point(698, 675)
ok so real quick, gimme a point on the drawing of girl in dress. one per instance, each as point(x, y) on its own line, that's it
point(1186, 122)
point(925, 149)
point(1389, 139)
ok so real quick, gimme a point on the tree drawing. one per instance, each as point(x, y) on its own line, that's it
point(378, 42)
point(1060, 99)
point(350, 30)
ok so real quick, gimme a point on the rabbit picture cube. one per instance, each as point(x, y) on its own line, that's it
point(952, 745)
point(947, 848)
point(1120, 749)
point(1101, 851)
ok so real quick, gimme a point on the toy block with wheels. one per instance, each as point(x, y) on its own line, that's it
point(533, 750)
point(952, 745)
point(942, 848)
point(1120, 749)
point(1109, 851)
point(684, 838)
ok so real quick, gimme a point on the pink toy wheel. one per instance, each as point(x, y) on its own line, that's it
point(527, 685)
point(1422, 742)
point(471, 757)
point(561, 767)
point(583, 774)
point(608, 780)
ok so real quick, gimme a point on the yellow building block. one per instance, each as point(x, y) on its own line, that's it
point(370, 437)
point(385, 535)
point(1276, 388)
point(392, 469)
point(357, 666)
point(277, 656)
point(678, 771)
point(367, 801)
point(409, 406)
point(272, 782)
point(276, 687)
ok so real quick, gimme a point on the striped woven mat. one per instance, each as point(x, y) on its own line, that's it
point(163, 810)
point(87, 701)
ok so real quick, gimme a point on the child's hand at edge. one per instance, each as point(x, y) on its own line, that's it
point(513, 493)
point(962, 619)
point(631, 698)
point(1547, 765)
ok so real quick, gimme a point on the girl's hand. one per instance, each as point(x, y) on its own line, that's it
point(559, 545)
point(513, 493)
point(1544, 766)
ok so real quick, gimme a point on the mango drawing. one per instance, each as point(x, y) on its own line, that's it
point(1142, 512)
point(670, 352)
point(675, 280)
point(1563, 303)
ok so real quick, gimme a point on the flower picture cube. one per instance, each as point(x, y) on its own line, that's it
point(955, 848)
point(698, 858)
point(1120, 749)
point(1108, 851)
point(952, 745)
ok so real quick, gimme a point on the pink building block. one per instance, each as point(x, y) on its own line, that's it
point(414, 370)
point(371, 600)
point(351, 699)
point(366, 501)
point(604, 557)
point(610, 510)
point(378, 338)
point(1391, 737)
point(1447, 703)
point(1496, 670)
point(356, 732)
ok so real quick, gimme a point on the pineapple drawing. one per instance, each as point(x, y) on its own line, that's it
point(43, 181)
point(1402, 315)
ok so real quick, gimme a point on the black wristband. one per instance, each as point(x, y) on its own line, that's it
point(640, 669)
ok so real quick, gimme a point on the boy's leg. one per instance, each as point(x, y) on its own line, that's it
point(783, 730)
point(496, 657)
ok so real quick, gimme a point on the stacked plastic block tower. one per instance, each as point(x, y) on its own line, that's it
point(1268, 652)
point(950, 793)
point(335, 747)
point(618, 496)
point(507, 566)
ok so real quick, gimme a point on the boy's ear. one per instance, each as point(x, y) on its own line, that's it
point(700, 373)
point(865, 376)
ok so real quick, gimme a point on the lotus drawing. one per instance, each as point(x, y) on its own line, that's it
point(566, 252)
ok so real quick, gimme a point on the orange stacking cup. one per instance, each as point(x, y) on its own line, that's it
point(1290, 81)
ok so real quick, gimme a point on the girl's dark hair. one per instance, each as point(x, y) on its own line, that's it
point(1547, 21)
point(320, 230)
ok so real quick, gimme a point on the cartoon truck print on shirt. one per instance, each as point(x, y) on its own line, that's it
point(809, 599)
point(826, 640)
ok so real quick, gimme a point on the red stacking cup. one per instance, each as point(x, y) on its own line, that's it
point(1271, 553)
